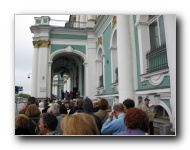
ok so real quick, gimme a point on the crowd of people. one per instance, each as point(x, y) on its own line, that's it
point(81, 117)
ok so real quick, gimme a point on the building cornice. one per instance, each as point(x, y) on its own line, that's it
point(102, 24)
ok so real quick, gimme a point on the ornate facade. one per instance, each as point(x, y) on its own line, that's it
point(106, 56)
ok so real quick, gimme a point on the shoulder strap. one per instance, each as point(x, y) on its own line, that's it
point(37, 130)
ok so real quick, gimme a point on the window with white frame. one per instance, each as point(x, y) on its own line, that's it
point(99, 62)
point(157, 55)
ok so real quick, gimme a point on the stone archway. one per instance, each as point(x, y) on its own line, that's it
point(67, 51)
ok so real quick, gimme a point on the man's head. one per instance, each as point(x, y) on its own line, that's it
point(146, 101)
point(128, 103)
point(47, 123)
point(31, 100)
point(50, 100)
point(139, 99)
point(118, 109)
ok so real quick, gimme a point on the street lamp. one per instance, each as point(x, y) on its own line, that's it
point(29, 75)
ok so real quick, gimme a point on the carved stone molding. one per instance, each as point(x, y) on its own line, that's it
point(100, 90)
point(155, 78)
point(115, 86)
point(69, 49)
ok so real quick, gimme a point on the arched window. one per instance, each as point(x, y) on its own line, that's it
point(100, 67)
point(114, 56)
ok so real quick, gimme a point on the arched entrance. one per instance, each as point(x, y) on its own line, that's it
point(66, 72)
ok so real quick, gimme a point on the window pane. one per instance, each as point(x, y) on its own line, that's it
point(162, 31)
point(154, 40)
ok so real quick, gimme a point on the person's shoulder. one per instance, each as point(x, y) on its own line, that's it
point(123, 133)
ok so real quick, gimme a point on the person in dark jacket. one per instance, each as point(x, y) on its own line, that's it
point(88, 109)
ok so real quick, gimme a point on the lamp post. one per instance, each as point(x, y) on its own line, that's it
point(29, 75)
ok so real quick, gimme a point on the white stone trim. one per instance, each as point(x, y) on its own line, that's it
point(155, 78)
point(103, 64)
point(101, 28)
point(68, 50)
point(153, 91)
point(111, 37)
point(161, 103)
point(115, 86)
point(68, 41)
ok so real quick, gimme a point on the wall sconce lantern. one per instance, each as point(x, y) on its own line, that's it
point(29, 75)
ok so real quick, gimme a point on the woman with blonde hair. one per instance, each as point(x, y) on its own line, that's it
point(22, 125)
point(33, 113)
point(79, 124)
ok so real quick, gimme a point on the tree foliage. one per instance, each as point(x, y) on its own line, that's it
point(23, 95)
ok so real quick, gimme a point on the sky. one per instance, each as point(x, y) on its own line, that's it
point(24, 49)
point(8, 61)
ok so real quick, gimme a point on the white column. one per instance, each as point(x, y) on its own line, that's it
point(65, 86)
point(170, 32)
point(91, 48)
point(82, 21)
point(49, 83)
point(69, 85)
point(77, 21)
point(86, 79)
point(42, 73)
point(90, 21)
point(125, 70)
point(80, 77)
point(34, 72)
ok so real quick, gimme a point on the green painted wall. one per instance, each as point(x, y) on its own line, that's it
point(106, 44)
point(167, 102)
point(68, 36)
point(147, 84)
point(55, 47)
point(110, 102)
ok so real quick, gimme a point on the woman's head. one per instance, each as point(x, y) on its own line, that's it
point(33, 111)
point(79, 124)
point(135, 118)
point(103, 104)
point(21, 121)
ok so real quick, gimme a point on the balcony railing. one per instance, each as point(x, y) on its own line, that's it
point(157, 59)
point(67, 24)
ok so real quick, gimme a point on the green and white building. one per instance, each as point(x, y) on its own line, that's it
point(108, 56)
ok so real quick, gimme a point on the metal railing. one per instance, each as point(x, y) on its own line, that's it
point(157, 59)
point(67, 24)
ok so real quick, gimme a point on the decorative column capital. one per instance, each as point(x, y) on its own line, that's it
point(44, 43)
point(41, 43)
point(114, 21)
point(100, 40)
point(35, 44)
